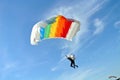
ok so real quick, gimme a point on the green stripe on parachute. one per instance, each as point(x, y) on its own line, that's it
point(47, 31)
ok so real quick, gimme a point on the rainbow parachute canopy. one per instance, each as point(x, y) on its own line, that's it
point(56, 27)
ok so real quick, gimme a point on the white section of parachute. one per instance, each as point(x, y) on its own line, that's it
point(74, 28)
point(35, 34)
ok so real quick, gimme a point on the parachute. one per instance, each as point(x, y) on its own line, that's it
point(112, 77)
point(55, 27)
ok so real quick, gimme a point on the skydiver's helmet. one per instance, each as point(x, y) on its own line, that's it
point(71, 56)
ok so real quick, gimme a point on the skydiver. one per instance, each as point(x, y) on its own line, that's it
point(71, 58)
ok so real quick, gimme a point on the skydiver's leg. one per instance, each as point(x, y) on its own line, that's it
point(73, 63)
point(70, 61)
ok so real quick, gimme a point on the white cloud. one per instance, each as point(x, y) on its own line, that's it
point(117, 24)
point(99, 26)
point(77, 75)
point(7, 69)
point(9, 66)
point(82, 11)
point(57, 66)
point(54, 68)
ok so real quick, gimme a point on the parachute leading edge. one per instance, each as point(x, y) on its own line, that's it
point(58, 27)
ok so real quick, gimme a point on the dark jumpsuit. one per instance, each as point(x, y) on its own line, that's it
point(72, 62)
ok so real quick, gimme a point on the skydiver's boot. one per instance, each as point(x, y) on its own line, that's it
point(72, 65)
point(76, 66)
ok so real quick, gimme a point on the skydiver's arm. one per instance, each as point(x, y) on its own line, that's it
point(66, 56)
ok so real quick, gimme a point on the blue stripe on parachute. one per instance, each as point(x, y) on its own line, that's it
point(42, 31)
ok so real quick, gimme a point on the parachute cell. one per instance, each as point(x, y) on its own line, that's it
point(56, 27)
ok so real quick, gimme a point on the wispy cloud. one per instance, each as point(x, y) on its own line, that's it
point(54, 68)
point(7, 66)
point(99, 26)
point(77, 75)
point(20, 67)
point(7, 69)
point(57, 66)
point(117, 25)
point(82, 11)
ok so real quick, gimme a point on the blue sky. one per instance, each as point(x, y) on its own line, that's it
point(97, 44)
